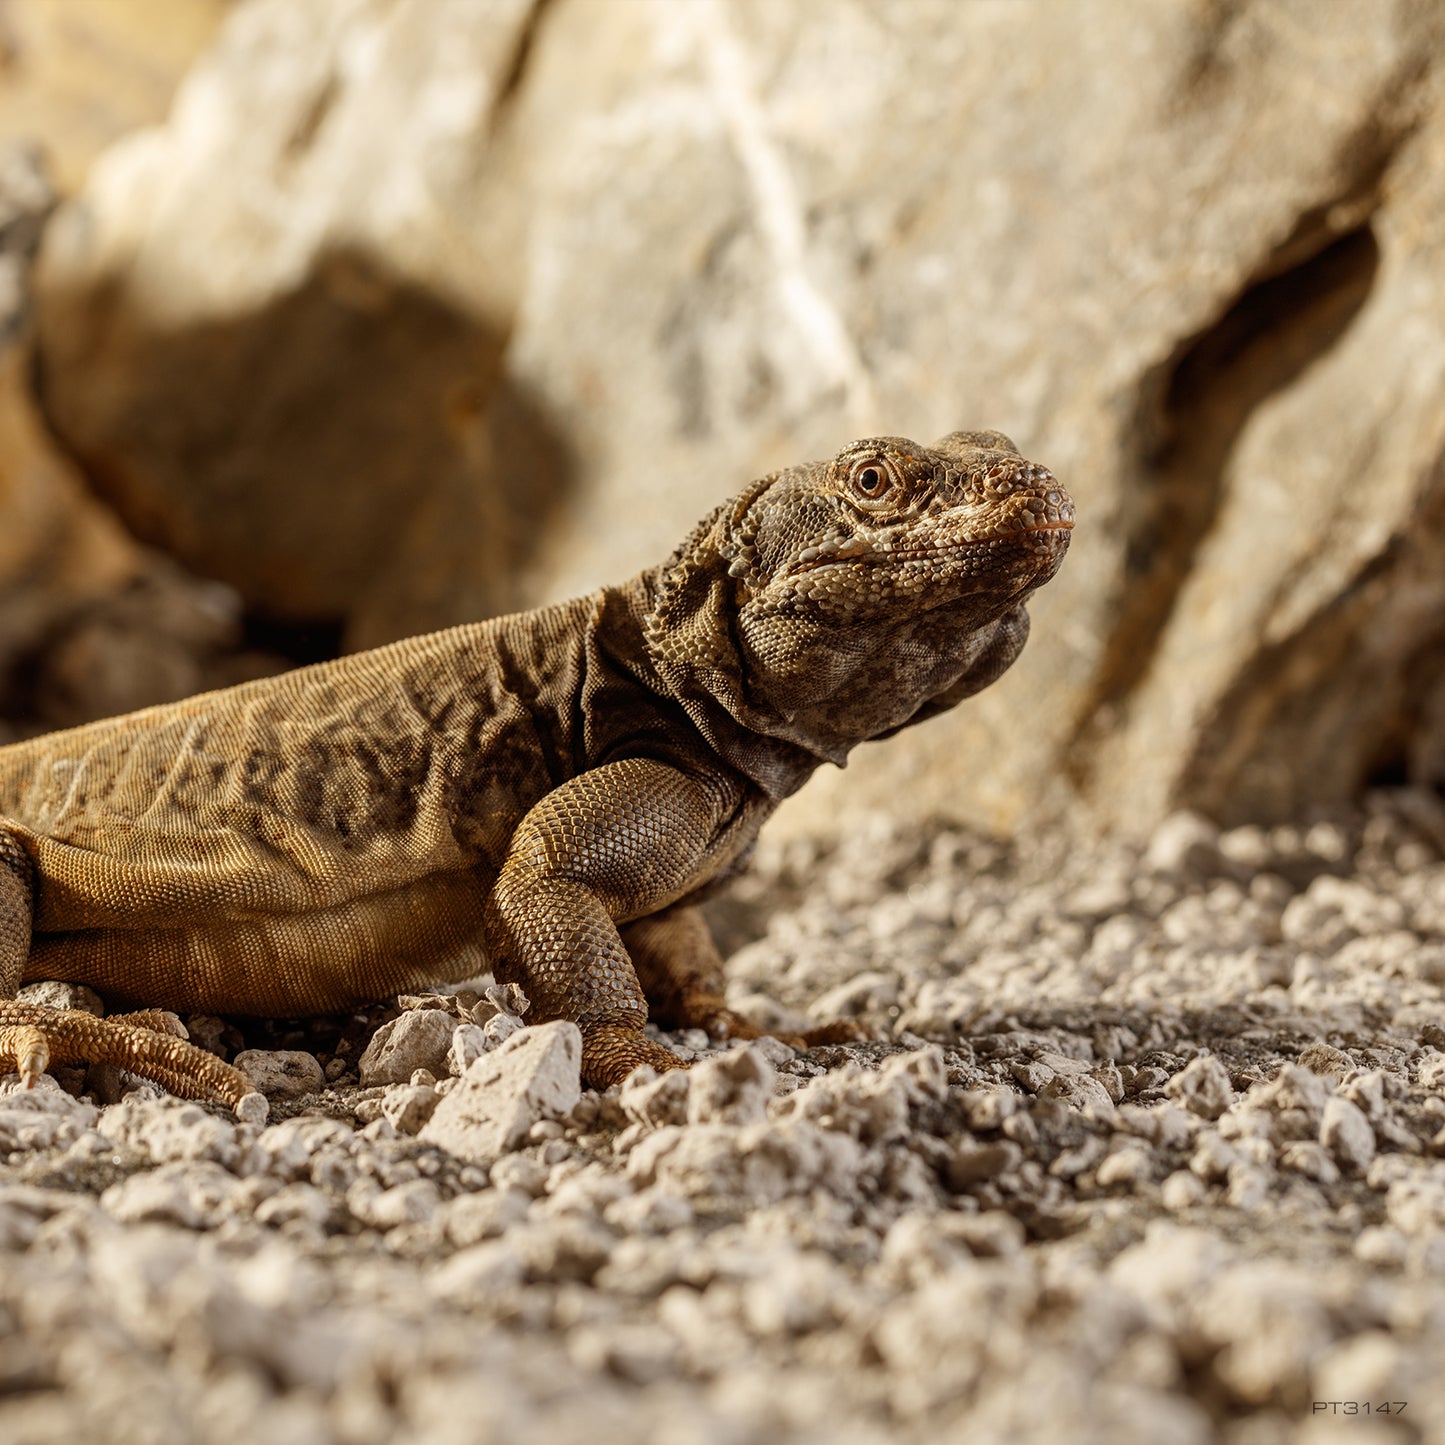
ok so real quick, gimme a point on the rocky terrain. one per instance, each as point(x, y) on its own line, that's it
point(328, 321)
point(1151, 1147)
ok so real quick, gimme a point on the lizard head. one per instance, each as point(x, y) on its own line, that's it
point(832, 602)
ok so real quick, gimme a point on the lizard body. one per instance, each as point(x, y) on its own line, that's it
point(558, 785)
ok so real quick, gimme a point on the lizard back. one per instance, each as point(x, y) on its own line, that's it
point(302, 791)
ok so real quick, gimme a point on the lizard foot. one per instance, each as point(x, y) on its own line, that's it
point(610, 1054)
point(32, 1038)
point(161, 1020)
point(839, 1031)
point(724, 1023)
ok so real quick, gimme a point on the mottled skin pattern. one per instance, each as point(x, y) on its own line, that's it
point(560, 785)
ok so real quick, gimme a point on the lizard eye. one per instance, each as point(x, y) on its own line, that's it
point(871, 480)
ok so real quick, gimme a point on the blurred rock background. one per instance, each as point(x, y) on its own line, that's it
point(356, 318)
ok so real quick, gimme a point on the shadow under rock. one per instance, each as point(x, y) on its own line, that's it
point(349, 456)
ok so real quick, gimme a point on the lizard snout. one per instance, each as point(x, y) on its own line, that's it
point(1027, 498)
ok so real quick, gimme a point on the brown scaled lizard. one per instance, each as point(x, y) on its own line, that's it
point(560, 785)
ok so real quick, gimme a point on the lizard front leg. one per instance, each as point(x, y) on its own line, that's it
point(681, 972)
point(614, 843)
point(33, 1038)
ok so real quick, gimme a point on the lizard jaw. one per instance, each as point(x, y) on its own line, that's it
point(942, 551)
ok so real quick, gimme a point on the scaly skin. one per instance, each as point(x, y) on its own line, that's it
point(560, 785)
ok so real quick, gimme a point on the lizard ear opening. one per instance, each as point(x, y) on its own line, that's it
point(687, 629)
point(690, 630)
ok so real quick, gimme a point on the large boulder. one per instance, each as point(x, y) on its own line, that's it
point(1192, 263)
point(90, 622)
point(77, 74)
point(272, 328)
point(1191, 258)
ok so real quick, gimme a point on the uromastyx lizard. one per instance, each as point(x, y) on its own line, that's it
point(560, 785)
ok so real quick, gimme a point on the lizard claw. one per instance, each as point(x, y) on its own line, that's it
point(31, 1051)
point(839, 1031)
point(158, 1020)
point(725, 1023)
point(34, 1037)
point(610, 1054)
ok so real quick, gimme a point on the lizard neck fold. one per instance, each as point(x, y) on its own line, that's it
point(686, 622)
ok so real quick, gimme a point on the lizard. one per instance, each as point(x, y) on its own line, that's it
point(562, 785)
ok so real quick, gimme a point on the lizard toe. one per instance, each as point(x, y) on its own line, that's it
point(30, 1050)
point(724, 1023)
point(159, 1020)
point(839, 1031)
point(33, 1037)
point(610, 1054)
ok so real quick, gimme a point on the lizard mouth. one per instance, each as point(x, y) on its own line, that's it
point(844, 554)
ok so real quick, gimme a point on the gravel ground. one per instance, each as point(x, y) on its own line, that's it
point(1152, 1148)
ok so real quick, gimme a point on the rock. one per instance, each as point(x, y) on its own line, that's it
point(90, 624)
point(1031, 1074)
point(1180, 1191)
point(499, 1028)
point(641, 1354)
point(25, 200)
point(169, 1131)
point(1328, 1062)
point(282, 1073)
point(731, 1088)
point(69, 577)
point(534, 1075)
point(874, 1224)
point(656, 1100)
point(470, 1218)
point(293, 1205)
point(308, 1148)
point(409, 1106)
point(1184, 845)
point(1081, 1091)
point(195, 1195)
point(479, 1272)
point(1202, 1086)
point(49, 993)
point(759, 1163)
point(45, 1117)
point(419, 1039)
point(410, 1203)
point(918, 1247)
point(773, 291)
point(469, 1043)
point(776, 292)
point(1269, 1323)
point(1213, 1157)
point(1333, 911)
point(986, 1109)
point(24, 1210)
point(864, 991)
point(80, 77)
point(390, 512)
point(1310, 1159)
point(1346, 1133)
point(1129, 1165)
point(1415, 1202)
point(974, 1162)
